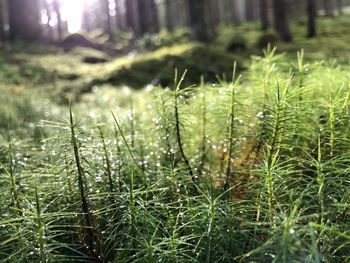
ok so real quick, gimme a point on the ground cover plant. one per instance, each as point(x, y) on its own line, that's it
point(125, 159)
point(251, 169)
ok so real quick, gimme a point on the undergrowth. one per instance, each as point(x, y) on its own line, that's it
point(250, 170)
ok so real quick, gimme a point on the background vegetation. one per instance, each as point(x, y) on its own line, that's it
point(159, 148)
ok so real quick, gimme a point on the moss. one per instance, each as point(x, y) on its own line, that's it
point(267, 38)
point(17, 71)
point(65, 76)
point(163, 39)
point(158, 67)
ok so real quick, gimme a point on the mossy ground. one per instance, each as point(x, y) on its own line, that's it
point(66, 75)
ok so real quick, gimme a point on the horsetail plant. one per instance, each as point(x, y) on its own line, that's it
point(129, 148)
point(204, 109)
point(284, 149)
point(107, 161)
point(301, 74)
point(177, 93)
point(273, 144)
point(92, 243)
point(229, 168)
point(40, 227)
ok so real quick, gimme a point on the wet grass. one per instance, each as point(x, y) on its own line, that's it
point(253, 168)
point(250, 170)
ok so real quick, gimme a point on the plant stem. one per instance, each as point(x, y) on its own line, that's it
point(91, 237)
point(229, 170)
point(177, 127)
point(107, 160)
point(204, 128)
point(11, 172)
point(40, 227)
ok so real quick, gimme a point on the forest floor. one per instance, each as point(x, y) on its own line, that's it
point(243, 168)
point(68, 75)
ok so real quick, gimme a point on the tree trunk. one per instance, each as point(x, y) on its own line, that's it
point(107, 19)
point(197, 20)
point(57, 8)
point(148, 13)
point(250, 10)
point(213, 12)
point(132, 17)
point(264, 15)
point(311, 18)
point(340, 7)
point(49, 18)
point(169, 15)
point(281, 20)
point(119, 18)
point(24, 20)
point(329, 7)
point(2, 22)
point(213, 17)
point(86, 21)
point(240, 11)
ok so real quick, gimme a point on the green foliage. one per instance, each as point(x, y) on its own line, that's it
point(165, 38)
point(253, 170)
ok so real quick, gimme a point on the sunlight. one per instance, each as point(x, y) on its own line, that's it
point(72, 12)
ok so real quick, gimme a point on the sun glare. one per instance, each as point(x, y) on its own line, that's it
point(72, 12)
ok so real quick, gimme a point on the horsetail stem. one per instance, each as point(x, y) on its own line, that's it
point(229, 168)
point(169, 152)
point(92, 239)
point(301, 71)
point(177, 125)
point(119, 156)
point(40, 227)
point(204, 127)
point(107, 161)
point(128, 148)
point(11, 172)
point(331, 124)
point(320, 181)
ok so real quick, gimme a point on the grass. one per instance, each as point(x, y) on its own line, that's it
point(254, 168)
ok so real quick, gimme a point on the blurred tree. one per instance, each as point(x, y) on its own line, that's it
point(107, 19)
point(57, 8)
point(86, 16)
point(227, 11)
point(198, 23)
point(340, 7)
point(24, 20)
point(170, 6)
point(119, 16)
point(264, 15)
point(132, 18)
point(329, 7)
point(213, 17)
point(180, 19)
point(311, 18)
point(281, 20)
point(252, 9)
point(239, 11)
point(47, 8)
point(148, 16)
point(2, 21)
